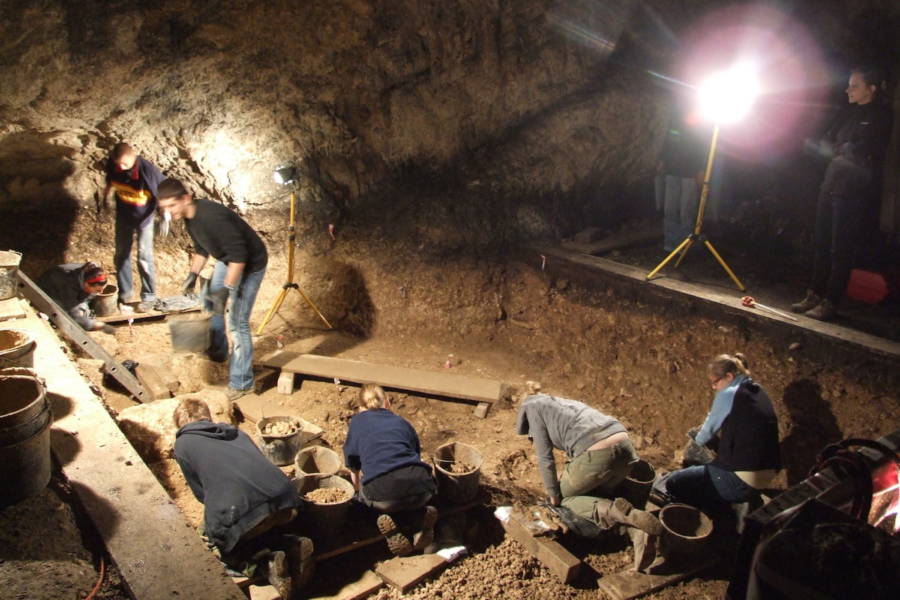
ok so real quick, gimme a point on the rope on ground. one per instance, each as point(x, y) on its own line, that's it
point(99, 581)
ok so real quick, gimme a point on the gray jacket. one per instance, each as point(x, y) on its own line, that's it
point(566, 425)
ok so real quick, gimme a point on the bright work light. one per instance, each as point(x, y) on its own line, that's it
point(284, 175)
point(727, 96)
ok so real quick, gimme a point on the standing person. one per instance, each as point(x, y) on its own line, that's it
point(241, 264)
point(74, 287)
point(246, 499)
point(743, 427)
point(135, 180)
point(680, 169)
point(383, 454)
point(856, 145)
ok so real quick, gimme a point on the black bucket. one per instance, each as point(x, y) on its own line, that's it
point(25, 420)
point(458, 471)
point(636, 487)
point(686, 531)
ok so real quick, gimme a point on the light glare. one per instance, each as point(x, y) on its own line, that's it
point(727, 96)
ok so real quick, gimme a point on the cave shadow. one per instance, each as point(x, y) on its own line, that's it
point(37, 213)
point(356, 318)
point(813, 426)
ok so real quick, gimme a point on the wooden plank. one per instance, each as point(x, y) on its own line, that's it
point(150, 314)
point(615, 241)
point(11, 308)
point(143, 530)
point(152, 381)
point(405, 572)
point(730, 300)
point(364, 586)
point(557, 559)
point(401, 378)
point(625, 585)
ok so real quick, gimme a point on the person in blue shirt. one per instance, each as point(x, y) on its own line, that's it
point(382, 452)
point(743, 429)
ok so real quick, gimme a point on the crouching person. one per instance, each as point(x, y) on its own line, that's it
point(383, 454)
point(74, 287)
point(246, 499)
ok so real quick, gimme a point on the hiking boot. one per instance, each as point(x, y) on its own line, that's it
point(145, 306)
point(278, 575)
point(811, 301)
point(623, 512)
point(645, 548)
point(234, 394)
point(301, 560)
point(397, 542)
point(824, 311)
point(425, 538)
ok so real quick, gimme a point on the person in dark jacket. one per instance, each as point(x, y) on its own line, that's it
point(135, 180)
point(74, 287)
point(855, 144)
point(382, 452)
point(241, 260)
point(743, 429)
point(245, 497)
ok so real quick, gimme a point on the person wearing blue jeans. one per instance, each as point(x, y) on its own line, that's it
point(135, 182)
point(242, 257)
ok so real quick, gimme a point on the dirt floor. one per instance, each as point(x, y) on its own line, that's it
point(639, 359)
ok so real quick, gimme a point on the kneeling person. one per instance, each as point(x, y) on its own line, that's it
point(74, 287)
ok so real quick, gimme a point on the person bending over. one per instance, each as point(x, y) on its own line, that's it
point(74, 287)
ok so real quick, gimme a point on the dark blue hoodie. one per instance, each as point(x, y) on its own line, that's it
point(237, 485)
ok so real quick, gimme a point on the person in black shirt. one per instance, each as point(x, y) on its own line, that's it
point(241, 264)
point(74, 287)
point(856, 145)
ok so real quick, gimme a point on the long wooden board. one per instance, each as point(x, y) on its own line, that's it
point(401, 378)
point(551, 553)
point(626, 585)
point(159, 555)
point(150, 314)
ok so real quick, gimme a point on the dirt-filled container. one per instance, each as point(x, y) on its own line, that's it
point(636, 487)
point(25, 420)
point(458, 471)
point(16, 348)
point(105, 302)
point(282, 438)
point(9, 265)
point(190, 334)
point(327, 502)
point(686, 531)
point(317, 462)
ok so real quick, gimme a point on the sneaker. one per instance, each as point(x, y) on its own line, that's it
point(278, 575)
point(811, 300)
point(425, 538)
point(125, 309)
point(824, 311)
point(234, 394)
point(397, 542)
point(145, 306)
point(302, 564)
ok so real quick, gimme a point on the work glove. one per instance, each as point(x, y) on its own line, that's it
point(107, 328)
point(219, 298)
point(190, 282)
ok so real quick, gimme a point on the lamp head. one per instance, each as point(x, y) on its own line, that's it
point(727, 96)
point(285, 174)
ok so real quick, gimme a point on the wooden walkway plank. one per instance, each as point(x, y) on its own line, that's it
point(551, 553)
point(626, 585)
point(402, 378)
point(405, 572)
point(158, 553)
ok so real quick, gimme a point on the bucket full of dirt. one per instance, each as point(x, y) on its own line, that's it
point(16, 348)
point(282, 438)
point(458, 468)
point(105, 302)
point(317, 462)
point(25, 420)
point(636, 487)
point(327, 502)
point(686, 531)
point(190, 333)
point(9, 264)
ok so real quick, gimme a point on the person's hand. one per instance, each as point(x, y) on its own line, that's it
point(190, 282)
point(219, 298)
point(107, 328)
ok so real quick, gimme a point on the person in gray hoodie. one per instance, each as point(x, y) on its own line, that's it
point(245, 498)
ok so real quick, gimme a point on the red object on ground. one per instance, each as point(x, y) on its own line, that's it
point(867, 286)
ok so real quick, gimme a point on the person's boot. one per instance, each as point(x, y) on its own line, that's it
point(302, 564)
point(278, 574)
point(424, 538)
point(645, 548)
point(824, 311)
point(621, 511)
point(811, 300)
point(397, 541)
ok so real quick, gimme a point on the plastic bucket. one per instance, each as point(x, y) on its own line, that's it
point(317, 462)
point(25, 420)
point(686, 531)
point(9, 264)
point(16, 348)
point(325, 512)
point(190, 334)
point(105, 302)
point(280, 448)
point(458, 471)
point(636, 487)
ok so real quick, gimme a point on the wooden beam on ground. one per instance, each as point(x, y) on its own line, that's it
point(557, 559)
point(616, 241)
point(153, 381)
point(159, 555)
point(432, 383)
point(626, 585)
point(11, 308)
point(150, 314)
point(405, 572)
